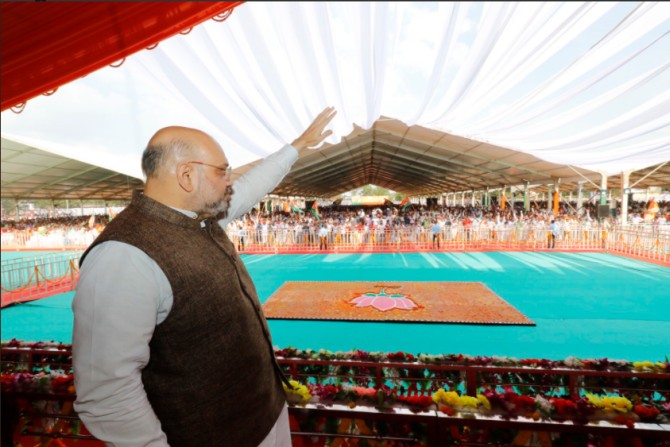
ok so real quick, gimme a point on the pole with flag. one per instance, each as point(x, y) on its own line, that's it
point(652, 209)
point(294, 208)
point(405, 203)
point(315, 210)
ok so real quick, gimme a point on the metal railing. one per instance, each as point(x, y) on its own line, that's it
point(41, 276)
point(400, 377)
point(38, 276)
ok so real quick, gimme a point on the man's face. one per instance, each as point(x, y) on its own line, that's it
point(214, 200)
point(214, 191)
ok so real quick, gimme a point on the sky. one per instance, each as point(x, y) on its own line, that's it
point(540, 77)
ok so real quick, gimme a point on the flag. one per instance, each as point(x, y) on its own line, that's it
point(556, 199)
point(91, 222)
point(405, 203)
point(295, 208)
point(285, 207)
point(315, 210)
point(111, 214)
point(652, 209)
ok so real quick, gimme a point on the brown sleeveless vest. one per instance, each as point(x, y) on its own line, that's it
point(212, 378)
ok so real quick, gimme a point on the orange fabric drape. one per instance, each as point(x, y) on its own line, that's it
point(46, 45)
point(555, 203)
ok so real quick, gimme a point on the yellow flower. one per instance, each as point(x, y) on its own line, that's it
point(449, 398)
point(595, 400)
point(299, 391)
point(616, 403)
point(468, 402)
point(484, 402)
point(643, 365)
point(611, 403)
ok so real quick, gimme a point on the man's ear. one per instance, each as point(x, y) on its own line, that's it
point(185, 174)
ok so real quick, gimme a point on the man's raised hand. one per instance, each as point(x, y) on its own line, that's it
point(314, 135)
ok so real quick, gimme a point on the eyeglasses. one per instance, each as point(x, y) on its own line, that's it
point(224, 171)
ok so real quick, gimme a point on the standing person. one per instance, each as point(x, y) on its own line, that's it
point(437, 229)
point(323, 237)
point(170, 345)
point(240, 238)
point(553, 231)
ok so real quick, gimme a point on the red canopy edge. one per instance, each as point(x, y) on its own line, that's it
point(46, 45)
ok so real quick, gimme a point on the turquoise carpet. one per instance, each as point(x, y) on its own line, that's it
point(588, 305)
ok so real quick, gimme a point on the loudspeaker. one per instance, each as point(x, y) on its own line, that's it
point(603, 211)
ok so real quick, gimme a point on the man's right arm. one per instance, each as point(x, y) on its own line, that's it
point(116, 308)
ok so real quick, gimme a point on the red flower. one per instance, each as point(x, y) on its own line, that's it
point(564, 407)
point(61, 383)
point(396, 356)
point(447, 410)
point(623, 420)
point(417, 400)
point(7, 382)
point(523, 403)
point(361, 355)
point(326, 392)
point(646, 413)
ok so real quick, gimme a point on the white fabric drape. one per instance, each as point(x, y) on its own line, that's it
point(550, 78)
point(579, 83)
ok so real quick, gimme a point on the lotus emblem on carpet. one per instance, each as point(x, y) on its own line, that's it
point(425, 302)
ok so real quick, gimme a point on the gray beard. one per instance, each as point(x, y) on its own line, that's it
point(218, 209)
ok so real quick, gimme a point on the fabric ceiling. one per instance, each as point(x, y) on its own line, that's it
point(32, 173)
point(580, 85)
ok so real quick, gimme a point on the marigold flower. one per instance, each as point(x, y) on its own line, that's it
point(449, 398)
point(484, 402)
point(468, 402)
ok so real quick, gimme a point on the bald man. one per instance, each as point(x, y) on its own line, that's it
point(170, 346)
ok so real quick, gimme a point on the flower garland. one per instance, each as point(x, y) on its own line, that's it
point(508, 403)
point(428, 359)
point(463, 359)
point(54, 382)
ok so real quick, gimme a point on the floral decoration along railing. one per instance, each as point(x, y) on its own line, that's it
point(577, 390)
point(572, 389)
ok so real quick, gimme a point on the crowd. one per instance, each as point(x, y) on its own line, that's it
point(52, 232)
point(336, 223)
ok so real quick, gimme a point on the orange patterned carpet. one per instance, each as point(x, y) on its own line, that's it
point(426, 302)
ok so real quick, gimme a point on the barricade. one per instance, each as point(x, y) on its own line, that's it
point(654, 246)
point(38, 277)
point(29, 280)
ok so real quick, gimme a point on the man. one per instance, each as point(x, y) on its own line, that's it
point(170, 346)
point(323, 237)
point(437, 231)
point(553, 232)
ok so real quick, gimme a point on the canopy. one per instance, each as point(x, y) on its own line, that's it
point(45, 46)
point(32, 173)
point(582, 85)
